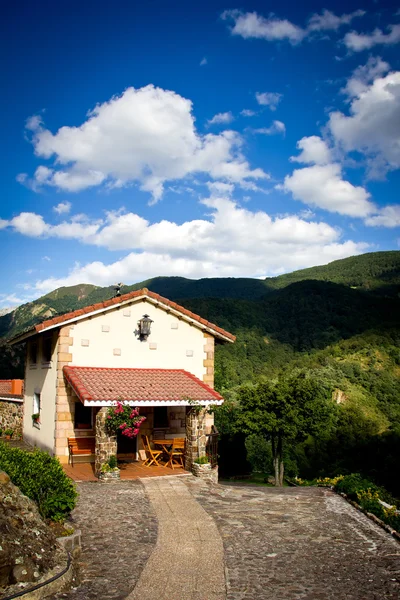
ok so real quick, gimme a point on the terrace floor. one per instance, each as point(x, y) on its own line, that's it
point(128, 471)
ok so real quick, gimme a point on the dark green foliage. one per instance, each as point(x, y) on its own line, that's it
point(112, 462)
point(40, 477)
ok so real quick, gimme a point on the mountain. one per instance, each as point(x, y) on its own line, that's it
point(377, 273)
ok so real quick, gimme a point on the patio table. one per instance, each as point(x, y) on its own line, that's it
point(165, 444)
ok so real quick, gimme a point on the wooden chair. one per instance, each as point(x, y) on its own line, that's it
point(177, 453)
point(151, 455)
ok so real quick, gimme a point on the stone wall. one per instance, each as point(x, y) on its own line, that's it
point(196, 438)
point(11, 416)
point(106, 445)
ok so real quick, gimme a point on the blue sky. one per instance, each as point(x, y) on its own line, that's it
point(202, 139)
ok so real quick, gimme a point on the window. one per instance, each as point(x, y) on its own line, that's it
point(47, 348)
point(36, 410)
point(83, 416)
point(33, 353)
point(160, 416)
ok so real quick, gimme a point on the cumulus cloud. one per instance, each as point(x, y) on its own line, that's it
point(230, 241)
point(364, 41)
point(388, 216)
point(323, 186)
point(327, 20)
point(252, 25)
point(314, 150)
point(246, 112)
point(272, 28)
point(226, 117)
point(276, 128)
point(372, 126)
point(62, 208)
point(270, 99)
point(145, 136)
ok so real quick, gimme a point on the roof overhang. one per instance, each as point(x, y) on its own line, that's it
point(142, 298)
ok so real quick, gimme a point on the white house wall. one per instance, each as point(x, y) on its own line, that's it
point(109, 340)
point(42, 380)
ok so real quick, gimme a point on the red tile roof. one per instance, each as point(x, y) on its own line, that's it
point(102, 386)
point(218, 331)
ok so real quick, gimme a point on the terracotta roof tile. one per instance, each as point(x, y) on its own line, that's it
point(131, 296)
point(97, 384)
point(7, 389)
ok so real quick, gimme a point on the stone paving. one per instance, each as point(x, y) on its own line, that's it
point(188, 561)
point(119, 532)
point(299, 543)
point(274, 544)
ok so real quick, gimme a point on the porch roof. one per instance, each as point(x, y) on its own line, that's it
point(100, 386)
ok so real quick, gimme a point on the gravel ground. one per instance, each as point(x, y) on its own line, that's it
point(119, 532)
point(299, 543)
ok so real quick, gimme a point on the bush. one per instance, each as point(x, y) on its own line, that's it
point(202, 460)
point(369, 496)
point(40, 477)
point(112, 462)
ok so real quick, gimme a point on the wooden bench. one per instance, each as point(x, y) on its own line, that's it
point(83, 446)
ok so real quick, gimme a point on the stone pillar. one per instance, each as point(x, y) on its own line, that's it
point(64, 419)
point(208, 361)
point(106, 445)
point(196, 439)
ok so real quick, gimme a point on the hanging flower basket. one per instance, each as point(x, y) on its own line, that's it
point(124, 419)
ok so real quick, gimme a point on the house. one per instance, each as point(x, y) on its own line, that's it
point(139, 348)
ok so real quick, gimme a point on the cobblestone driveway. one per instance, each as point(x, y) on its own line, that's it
point(119, 532)
point(299, 543)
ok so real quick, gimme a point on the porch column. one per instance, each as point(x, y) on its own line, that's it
point(106, 445)
point(196, 439)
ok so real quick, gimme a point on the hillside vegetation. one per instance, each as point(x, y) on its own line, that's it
point(340, 323)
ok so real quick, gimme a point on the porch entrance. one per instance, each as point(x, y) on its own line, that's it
point(126, 448)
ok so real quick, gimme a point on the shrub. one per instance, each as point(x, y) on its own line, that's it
point(202, 460)
point(112, 462)
point(40, 477)
point(370, 496)
point(124, 419)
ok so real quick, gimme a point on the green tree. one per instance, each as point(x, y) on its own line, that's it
point(287, 411)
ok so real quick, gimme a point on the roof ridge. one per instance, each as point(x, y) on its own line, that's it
point(130, 296)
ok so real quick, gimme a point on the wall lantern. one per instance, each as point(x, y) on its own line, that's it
point(144, 327)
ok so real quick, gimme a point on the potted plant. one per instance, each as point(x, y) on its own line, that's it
point(9, 433)
point(110, 470)
point(36, 418)
point(201, 467)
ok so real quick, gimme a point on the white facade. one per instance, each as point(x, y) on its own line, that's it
point(40, 379)
point(109, 340)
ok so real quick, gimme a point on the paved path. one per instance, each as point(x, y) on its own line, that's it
point(187, 562)
point(119, 532)
point(299, 544)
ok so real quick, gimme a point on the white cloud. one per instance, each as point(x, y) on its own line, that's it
point(226, 117)
point(364, 75)
point(246, 112)
point(364, 41)
point(252, 25)
point(29, 224)
point(230, 241)
point(270, 99)
point(327, 20)
point(62, 208)
point(145, 136)
point(46, 258)
point(276, 128)
point(314, 150)
point(203, 61)
point(388, 216)
point(324, 187)
point(373, 124)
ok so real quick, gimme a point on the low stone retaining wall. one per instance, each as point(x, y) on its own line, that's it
point(205, 472)
point(11, 416)
point(373, 517)
point(71, 543)
point(110, 477)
